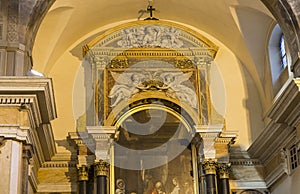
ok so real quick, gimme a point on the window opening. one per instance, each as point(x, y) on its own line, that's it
point(294, 157)
point(283, 57)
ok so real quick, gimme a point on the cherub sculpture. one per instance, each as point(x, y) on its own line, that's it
point(173, 84)
point(127, 84)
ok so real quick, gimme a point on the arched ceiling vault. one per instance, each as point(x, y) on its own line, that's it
point(242, 26)
point(228, 21)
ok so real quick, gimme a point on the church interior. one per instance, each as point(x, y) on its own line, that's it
point(150, 96)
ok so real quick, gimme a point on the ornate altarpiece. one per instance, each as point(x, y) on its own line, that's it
point(151, 70)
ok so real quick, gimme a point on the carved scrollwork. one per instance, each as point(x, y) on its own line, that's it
point(184, 63)
point(119, 63)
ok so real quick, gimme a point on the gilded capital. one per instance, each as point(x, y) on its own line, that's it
point(83, 174)
point(210, 166)
point(101, 168)
point(224, 170)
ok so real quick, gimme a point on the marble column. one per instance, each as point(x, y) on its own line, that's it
point(83, 177)
point(102, 175)
point(223, 170)
point(210, 169)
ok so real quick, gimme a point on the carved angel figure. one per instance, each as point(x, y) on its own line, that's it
point(175, 89)
point(127, 84)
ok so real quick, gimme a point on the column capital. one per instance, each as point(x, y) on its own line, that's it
point(210, 166)
point(224, 170)
point(83, 174)
point(28, 151)
point(101, 168)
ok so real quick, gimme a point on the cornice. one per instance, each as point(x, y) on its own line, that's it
point(39, 86)
point(189, 35)
point(34, 95)
point(274, 137)
point(24, 102)
point(16, 132)
point(245, 162)
point(286, 107)
point(60, 164)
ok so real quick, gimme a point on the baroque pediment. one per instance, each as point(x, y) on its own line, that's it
point(152, 34)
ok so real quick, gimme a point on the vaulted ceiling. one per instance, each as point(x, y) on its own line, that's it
point(241, 26)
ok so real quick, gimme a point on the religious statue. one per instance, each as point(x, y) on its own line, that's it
point(127, 85)
point(175, 89)
point(150, 36)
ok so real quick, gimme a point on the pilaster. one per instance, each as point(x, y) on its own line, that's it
point(26, 108)
point(83, 143)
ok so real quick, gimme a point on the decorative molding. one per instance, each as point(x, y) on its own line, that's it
point(24, 103)
point(33, 95)
point(39, 86)
point(57, 187)
point(103, 136)
point(274, 176)
point(60, 164)
point(99, 130)
point(235, 184)
point(209, 128)
point(209, 134)
point(187, 35)
point(279, 134)
point(286, 107)
point(16, 132)
point(273, 138)
point(245, 162)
